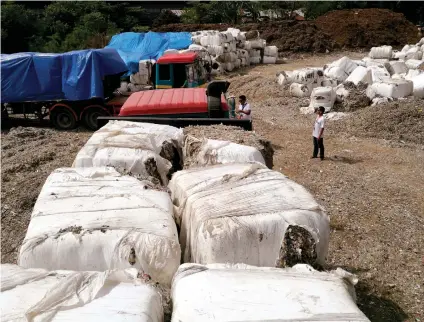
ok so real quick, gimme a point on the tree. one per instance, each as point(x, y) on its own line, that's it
point(166, 17)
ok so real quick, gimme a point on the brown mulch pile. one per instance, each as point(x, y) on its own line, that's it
point(367, 28)
point(28, 156)
point(399, 121)
point(236, 135)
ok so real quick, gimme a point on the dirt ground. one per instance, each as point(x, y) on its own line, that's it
point(371, 184)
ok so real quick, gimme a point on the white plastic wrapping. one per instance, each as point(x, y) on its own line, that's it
point(398, 67)
point(381, 52)
point(246, 293)
point(131, 146)
point(239, 213)
point(395, 88)
point(257, 43)
point(418, 83)
point(415, 64)
point(412, 73)
point(284, 77)
point(323, 96)
point(269, 60)
point(43, 296)
point(96, 219)
point(210, 152)
point(360, 75)
point(271, 51)
point(345, 64)
point(300, 90)
point(304, 76)
point(379, 74)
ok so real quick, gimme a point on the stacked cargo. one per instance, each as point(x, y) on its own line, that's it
point(233, 49)
point(385, 74)
point(103, 238)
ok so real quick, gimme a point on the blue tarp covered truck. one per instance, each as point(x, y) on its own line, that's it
point(70, 87)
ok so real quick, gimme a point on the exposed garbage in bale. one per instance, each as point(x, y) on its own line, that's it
point(252, 209)
point(235, 135)
point(210, 152)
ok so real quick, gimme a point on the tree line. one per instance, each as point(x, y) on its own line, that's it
point(70, 25)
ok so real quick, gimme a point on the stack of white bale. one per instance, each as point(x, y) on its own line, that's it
point(231, 49)
point(142, 77)
point(387, 73)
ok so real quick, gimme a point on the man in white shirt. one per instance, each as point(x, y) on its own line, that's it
point(244, 110)
point(318, 133)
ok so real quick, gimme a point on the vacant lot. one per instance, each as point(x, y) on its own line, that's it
point(372, 183)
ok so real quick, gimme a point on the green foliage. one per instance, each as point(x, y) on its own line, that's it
point(65, 25)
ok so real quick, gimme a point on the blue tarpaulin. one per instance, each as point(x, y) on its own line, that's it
point(133, 46)
point(77, 75)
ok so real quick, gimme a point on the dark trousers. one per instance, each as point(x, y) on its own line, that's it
point(318, 145)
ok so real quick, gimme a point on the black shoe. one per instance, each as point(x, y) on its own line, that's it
point(312, 157)
point(322, 158)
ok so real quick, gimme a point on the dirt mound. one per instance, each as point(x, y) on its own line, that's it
point(399, 121)
point(255, 87)
point(28, 156)
point(295, 36)
point(367, 27)
point(236, 135)
point(356, 99)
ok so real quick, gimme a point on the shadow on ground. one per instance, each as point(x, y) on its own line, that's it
point(377, 308)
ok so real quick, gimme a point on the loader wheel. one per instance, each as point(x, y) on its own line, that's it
point(63, 119)
point(90, 117)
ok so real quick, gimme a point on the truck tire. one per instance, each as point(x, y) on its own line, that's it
point(90, 116)
point(63, 119)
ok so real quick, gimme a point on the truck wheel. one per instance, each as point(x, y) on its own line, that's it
point(91, 115)
point(63, 119)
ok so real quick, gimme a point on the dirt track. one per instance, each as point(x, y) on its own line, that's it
point(371, 187)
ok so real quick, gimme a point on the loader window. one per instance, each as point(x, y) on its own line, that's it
point(180, 75)
point(164, 72)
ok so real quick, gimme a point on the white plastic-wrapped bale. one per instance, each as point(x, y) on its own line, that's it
point(381, 52)
point(398, 67)
point(340, 69)
point(360, 75)
point(246, 213)
point(271, 51)
point(96, 219)
point(323, 96)
point(378, 74)
point(399, 55)
point(40, 295)
point(395, 88)
point(406, 48)
point(418, 83)
point(284, 77)
point(246, 293)
point(415, 64)
point(412, 73)
point(300, 90)
point(210, 152)
point(304, 75)
point(325, 81)
point(170, 51)
point(150, 151)
point(145, 66)
point(269, 60)
point(414, 52)
point(255, 60)
point(257, 43)
point(140, 79)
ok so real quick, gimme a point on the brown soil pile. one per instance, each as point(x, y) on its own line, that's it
point(367, 27)
point(399, 121)
point(294, 36)
point(28, 156)
point(236, 135)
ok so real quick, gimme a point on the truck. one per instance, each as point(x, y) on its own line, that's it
point(79, 86)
